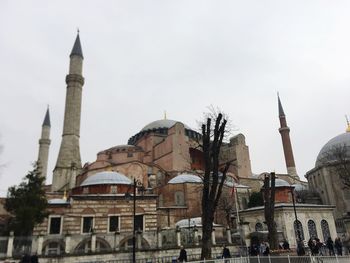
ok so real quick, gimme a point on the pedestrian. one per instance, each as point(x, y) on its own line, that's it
point(34, 258)
point(25, 259)
point(330, 246)
point(285, 245)
point(226, 252)
point(338, 246)
point(346, 243)
point(183, 255)
point(267, 250)
point(300, 248)
point(315, 248)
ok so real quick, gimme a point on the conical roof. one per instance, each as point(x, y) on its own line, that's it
point(76, 50)
point(280, 108)
point(47, 118)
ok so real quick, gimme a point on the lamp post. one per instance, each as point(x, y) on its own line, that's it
point(296, 217)
point(127, 195)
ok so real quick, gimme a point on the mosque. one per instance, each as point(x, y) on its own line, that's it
point(153, 184)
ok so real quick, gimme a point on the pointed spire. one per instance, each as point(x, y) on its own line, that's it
point(280, 108)
point(47, 118)
point(165, 115)
point(77, 51)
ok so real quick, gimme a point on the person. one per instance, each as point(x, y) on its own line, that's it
point(34, 258)
point(254, 250)
point(267, 250)
point(285, 245)
point(346, 243)
point(330, 246)
point(25, 259)
point(315, 248)
point(319, 245)
point(226, 252)
point(310, 244)
point(338, 246)
point(300, 248)
point(183, 255)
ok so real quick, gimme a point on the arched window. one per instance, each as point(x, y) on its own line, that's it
point(312, 229)
point(325, 229)
point(298, 230)
point(259, 227)
point(179, 198)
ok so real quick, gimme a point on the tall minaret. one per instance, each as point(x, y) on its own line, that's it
point(68, 161)
point(287, 145)
point(44, 144)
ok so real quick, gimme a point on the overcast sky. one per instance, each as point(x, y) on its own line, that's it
point(144, 57)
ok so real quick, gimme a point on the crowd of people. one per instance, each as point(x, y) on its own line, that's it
point(317, 247)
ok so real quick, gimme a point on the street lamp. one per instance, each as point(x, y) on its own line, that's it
point(127, 195)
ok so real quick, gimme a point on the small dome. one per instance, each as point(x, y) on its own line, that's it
point(325, 155)
point(185, 178)
point(299, 187)
point(281, 183)
point(191, 222)
point(106, 178)
point(159, 124)
point(57, 201)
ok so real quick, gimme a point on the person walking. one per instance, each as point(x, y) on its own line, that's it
point(226, 252)
point(183, 255)
point(338, 246)
point(330, 246)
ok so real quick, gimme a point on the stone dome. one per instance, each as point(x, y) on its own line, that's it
point(185, 178)
point(106, 178)
point(160, 124)
point(337, 143)
point(299, 187)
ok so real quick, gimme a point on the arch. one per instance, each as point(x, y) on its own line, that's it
point(259, 227)
point(53, 247)
point(325, 229)
point(298, 229)
point(88, 211)
point(113, 211)
point(84, 246)
point(312, 228)
point(126, 243)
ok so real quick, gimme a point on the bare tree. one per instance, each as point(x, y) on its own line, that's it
point(269, 199)
point(214, 176)
point(227, 205)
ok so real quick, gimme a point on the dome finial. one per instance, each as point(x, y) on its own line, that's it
point(165, 115)
point(347, 122)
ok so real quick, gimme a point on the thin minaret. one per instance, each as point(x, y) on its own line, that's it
point(44, 145)
point(287, 145)
point(69, 162)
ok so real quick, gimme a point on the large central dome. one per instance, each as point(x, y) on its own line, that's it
point(332, 148)
point(159, 124)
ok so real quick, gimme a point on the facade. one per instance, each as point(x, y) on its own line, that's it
point(325, 178)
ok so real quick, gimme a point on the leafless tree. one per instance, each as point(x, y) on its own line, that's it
point(214, 176)
point(269, 203)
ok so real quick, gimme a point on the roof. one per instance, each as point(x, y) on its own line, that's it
point(47, 118)
point(290, 205)
point(299, 187)
point(328, 152)
point(185, 178)
point(76, 50)
point(191, 222)
point(57, 201)
point(162, 124)
point(280, 183)
point(106, 177)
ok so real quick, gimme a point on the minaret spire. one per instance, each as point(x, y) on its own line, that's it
point(69, 162)
point(287, 145)
point(44, 145)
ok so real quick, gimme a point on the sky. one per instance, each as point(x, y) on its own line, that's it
point(142, 58)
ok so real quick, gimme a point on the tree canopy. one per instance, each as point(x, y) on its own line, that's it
point(27, 203)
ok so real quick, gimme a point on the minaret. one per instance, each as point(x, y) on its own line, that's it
point(287, 145)
point(69, 162)
point(44, 144)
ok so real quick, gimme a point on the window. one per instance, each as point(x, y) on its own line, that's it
point(113, 223)
point(312, 229)
point(130, 155)
point(88, 224)
point(179, 198)
point(325, 230)
point(55, 226)
point(138, 222)
point(259, 227)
